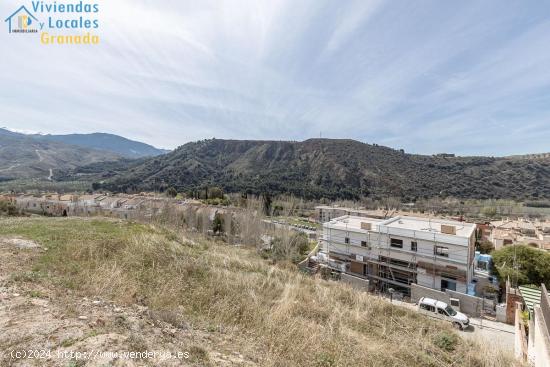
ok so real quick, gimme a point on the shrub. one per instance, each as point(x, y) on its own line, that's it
point(218, 224)
point(171, 192)
point(485, 247)
point(446, 341)
point(7, 208)
point(290, 246)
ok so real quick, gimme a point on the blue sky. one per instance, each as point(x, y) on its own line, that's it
point(467, 77)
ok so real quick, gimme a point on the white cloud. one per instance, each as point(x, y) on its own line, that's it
point(427, 76)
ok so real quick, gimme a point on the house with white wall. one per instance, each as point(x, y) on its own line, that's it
point(396, 252)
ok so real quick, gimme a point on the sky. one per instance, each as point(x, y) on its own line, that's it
point(464, 77)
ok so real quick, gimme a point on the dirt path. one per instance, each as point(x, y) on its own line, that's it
point(59, 328)
point(10, 168)
point(40, 158)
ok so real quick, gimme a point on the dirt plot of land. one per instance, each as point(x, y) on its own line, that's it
point(57, 328)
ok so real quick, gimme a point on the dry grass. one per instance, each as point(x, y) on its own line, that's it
point(292, 319)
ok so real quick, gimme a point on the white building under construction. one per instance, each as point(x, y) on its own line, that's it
point(396, 252)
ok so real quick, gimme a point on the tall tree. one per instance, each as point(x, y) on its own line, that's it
point(523, 264)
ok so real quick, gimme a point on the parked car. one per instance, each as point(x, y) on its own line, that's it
point(441, 310)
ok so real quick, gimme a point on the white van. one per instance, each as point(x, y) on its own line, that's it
point(443, 311)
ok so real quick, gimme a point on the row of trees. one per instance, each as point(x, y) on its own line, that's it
point(212, 192)
point(244, 225)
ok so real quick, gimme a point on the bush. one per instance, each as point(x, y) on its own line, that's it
point(489, 211)
point(485, 247)
point(218, 224)
point(291, 246)
point(7, 208)
point(446, 341)
point(171, 192)
point(215, 193)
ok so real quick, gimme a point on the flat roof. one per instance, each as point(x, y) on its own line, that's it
point(425, 225)
point(351, 222)
point(429, 225)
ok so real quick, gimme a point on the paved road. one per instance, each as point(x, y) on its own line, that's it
point(489, 332)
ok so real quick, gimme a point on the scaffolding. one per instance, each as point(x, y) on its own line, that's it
point(381, 266)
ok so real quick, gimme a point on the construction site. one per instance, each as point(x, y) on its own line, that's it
point(401, 251)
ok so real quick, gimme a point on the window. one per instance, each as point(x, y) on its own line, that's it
point(346, 240)
point(427, 307)
point(448, 284)
point(441, 251)
point(441, 311)
point(394, 242)
point(363, 243)
point(414, 246)
point(450, 311)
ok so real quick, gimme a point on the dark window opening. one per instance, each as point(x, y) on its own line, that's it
point(394, 242)
point(447, 284)
point(441, 251)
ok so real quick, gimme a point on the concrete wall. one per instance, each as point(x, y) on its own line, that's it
point(434, 281)
point(541, 340)
point(355, 282)
point(418, 291)
point(520, 340)
point(468, 304)
point(512, 300)
point(531, 352)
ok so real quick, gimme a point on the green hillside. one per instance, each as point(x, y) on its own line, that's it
point(327, 168)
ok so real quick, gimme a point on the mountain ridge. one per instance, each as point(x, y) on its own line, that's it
point(100, 141)
point(24, 157)
point(108, 142)
point(330, 168)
